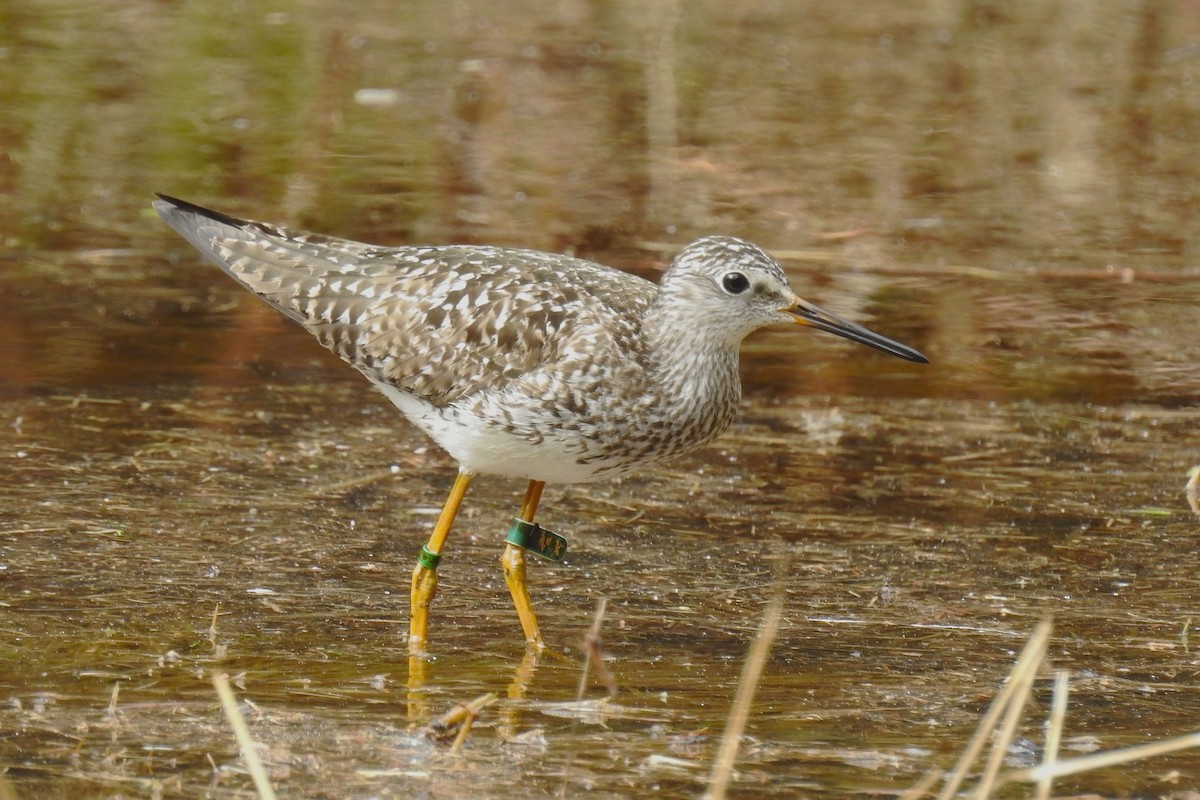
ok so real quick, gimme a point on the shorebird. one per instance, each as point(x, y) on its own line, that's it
point(521, 363)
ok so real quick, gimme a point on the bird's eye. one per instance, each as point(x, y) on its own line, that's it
point(735, 282)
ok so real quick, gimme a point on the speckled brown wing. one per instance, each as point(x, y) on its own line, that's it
point(438, 322)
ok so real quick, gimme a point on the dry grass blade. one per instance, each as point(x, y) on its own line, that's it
point(1058, 714)
point(922, 787)
point(342, 487)
point(1110, 758)
point(1010, 703)
point(1031, 656)
point(458, 721)
point(1022, 679)
point(7, 790)
point(242, 733)
point(464, 730)
point(111, 713)
point(1191, 489)
point(718, 779)
point(593, 654)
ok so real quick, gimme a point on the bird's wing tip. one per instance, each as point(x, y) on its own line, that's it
point(167, 205)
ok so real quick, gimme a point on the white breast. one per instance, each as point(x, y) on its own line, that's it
point(480, 448)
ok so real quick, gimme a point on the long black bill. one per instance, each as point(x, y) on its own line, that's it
point(814, 317)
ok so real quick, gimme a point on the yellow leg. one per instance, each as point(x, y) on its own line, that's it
point(418, 699)
point(513, 561)
point(424, 578)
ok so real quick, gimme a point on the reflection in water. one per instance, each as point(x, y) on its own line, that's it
point(1012, 190)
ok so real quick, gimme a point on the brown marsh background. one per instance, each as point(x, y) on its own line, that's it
point(1011, 187)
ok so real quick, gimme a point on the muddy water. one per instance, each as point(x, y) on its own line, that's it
point(190, 484)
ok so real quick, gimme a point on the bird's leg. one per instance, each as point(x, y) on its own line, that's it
point(424, 579)
point(513, 561)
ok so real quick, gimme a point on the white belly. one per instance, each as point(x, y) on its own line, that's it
point(480, 449)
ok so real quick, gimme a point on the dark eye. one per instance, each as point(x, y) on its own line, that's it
point(735, 282)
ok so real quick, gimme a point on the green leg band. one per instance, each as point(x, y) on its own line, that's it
point(428, 559)
point(533, 537)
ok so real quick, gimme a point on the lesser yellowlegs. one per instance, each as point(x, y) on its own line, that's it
point(520, 363)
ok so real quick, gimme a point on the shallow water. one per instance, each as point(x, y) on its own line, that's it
point(191, 484)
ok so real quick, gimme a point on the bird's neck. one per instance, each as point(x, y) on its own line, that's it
point(699, 374)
